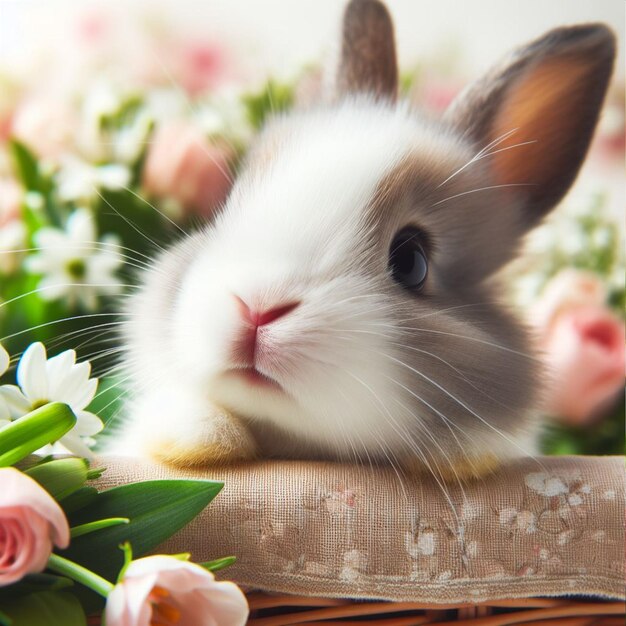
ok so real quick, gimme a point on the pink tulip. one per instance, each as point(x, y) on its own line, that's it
point(164, 590)
point(584, 349)
point(30, 522)
point(182, 165)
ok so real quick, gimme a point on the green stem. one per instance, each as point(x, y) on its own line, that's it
point(83, 529)
point(80, 574)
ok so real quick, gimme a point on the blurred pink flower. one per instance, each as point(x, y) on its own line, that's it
point(434, 93)
point(164, 590)
point(30, 522)
point(12, 229)
point(584, 351)
point(9, 95)
point(45, 124)
point(569, 288)
point(198, 66)
point(610, 139)
point(182, 165)
point(10, 200)
point(92, 27)
point(6, 123)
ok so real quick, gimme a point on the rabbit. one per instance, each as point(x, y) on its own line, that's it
point(342, 305)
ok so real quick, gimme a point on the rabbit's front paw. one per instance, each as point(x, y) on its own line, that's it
point(217, 439)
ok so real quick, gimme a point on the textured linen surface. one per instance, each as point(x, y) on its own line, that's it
point(548, 526)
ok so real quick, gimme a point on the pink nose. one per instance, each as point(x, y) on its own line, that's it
point(261, 318)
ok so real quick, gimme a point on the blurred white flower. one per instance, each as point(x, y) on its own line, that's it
point(130, 139)
point(115, 124)
point(34, 200)
point(166, 104)
point(12, 240)
point(74, 264)
point(58, 379)
point(225, 116)
point(78, 180)
point(5, 415)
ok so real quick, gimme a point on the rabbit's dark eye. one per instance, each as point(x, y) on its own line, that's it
point(407, 259)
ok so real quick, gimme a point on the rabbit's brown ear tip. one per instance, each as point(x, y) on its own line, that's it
point(594, 37)
point(362, 6)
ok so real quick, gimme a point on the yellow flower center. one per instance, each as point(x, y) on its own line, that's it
point(76, 268)
point(164, 613)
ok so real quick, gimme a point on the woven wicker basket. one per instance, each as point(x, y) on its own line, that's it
point(284, 610)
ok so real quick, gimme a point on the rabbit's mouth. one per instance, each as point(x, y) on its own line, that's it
point(255, 378)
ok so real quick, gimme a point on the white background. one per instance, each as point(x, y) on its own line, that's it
point(281, 35)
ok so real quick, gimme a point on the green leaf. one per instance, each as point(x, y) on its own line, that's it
point(26, 165)
point(36, 429)
point(92, 474)
point(90, 527)
point(32, 583)
point(109, 399)
point(60, 477)
point(273, 98)
point(156, 509)
point(218, 564)
point(79, 499)
point(46, 608)
point(134, 220)
point(27, 169)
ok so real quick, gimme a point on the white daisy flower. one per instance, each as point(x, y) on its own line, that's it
point(5, 414)
point(74, 264)
point(58, 379)
point(78, 180)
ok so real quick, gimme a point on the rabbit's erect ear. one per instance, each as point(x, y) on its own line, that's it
point(537, 113)
point(368, 55)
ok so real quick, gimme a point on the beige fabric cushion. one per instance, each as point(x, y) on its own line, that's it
point(550, 526)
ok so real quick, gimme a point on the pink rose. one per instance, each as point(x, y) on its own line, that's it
point(30, 522)
point(46, 125)
point(570, 288)
point(164, 590)
point(584, 348)
point(182, 165)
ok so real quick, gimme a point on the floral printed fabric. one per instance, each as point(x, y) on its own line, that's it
point(542, 527)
